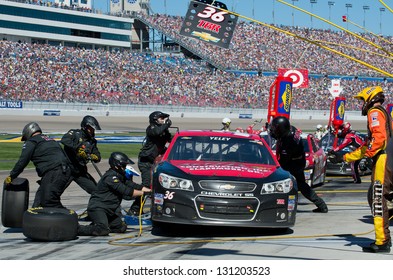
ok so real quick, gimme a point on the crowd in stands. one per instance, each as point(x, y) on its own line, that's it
point(260, 47)
point(48, 3)
point(34, 72)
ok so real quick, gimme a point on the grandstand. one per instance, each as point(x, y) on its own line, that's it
point(241, 75)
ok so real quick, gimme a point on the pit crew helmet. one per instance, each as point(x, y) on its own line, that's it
point(280, 127)
point(344, 129)
point(370, 96)
point(153, 117)
point(89, 124)
point(29, 130)
point(118, 161)
point(226, 121)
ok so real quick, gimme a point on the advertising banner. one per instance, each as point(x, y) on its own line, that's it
point(11, 104)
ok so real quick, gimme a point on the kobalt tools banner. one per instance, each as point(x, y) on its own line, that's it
point(11, 104)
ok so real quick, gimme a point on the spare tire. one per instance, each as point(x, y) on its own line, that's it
point(50, 224)
point(15, 202)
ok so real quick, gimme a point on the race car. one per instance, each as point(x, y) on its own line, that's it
point(222, 178)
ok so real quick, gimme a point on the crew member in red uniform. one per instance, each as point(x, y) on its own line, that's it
point(352, 140)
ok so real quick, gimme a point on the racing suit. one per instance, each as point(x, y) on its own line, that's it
point(291, 156)
point(353, 141)
point(104, 205)
point(73, 141)
point(51, 165)
point(157, 137)
point(379, 131)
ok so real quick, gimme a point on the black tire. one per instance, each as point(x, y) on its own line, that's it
point(15, 202)
point(50, 224)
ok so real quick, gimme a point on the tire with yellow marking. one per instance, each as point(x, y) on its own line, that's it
point(50, 224)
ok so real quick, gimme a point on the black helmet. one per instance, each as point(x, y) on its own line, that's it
point(89, 124)
point(118, 162)
point(280, 127)
point(91, 121)
point(29, 130)
point(153, 117)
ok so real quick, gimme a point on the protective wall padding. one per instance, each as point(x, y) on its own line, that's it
point(50, 224)
point(15, 202)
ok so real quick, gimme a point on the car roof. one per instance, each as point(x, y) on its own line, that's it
point(303, 135)
point(217, 133)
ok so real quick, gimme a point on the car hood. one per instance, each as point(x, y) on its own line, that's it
point(212, 168)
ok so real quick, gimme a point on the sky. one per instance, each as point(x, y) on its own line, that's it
point(271, 11)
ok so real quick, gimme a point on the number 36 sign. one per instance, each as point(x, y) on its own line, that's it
point(209, 23)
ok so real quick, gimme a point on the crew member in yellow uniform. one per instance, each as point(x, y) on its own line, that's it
point(379, 126)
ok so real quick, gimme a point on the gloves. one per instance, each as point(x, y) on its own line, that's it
point(81, 153)
point(94, 157)
point(168, 122)
point(335, 157)
point(8, 180)
point(147, 193)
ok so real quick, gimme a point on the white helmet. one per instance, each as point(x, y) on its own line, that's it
point(226, 121)
point(319, 127)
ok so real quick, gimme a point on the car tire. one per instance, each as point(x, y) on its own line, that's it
point(369, 199)
point(50, 224)
point(15, 202)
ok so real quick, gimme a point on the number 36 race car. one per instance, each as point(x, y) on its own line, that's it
point(222, 178)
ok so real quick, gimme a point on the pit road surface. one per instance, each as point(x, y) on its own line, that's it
point(337, 235)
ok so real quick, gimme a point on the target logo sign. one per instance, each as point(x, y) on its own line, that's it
point(298, 76)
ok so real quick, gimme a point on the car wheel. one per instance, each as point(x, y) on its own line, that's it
point(370, 198)
point(14, 202)
point(50, 224)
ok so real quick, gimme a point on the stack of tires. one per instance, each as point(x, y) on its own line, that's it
point(39, 224)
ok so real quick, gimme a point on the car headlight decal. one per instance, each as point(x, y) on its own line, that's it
point(170, 182)
point(284, 186)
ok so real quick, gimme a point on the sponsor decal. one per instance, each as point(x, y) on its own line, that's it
point(256, 169)
point(280, 201)
point(205, 36)
point(159, 198)
point(291, 203)
point(227, 194)
point(227, 187)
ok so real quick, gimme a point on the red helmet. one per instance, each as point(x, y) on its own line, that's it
point(344, 129)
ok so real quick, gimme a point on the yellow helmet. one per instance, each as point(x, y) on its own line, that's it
point(370, 95)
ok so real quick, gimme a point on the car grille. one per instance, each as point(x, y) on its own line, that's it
point(229, 186)
point(224, 208)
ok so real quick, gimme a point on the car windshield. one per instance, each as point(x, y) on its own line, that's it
point(328, 140)
point(218, 148)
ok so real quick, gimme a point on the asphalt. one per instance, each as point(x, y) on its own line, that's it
point(336, 236)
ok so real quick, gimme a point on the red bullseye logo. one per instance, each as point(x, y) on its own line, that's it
point(298, 76)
